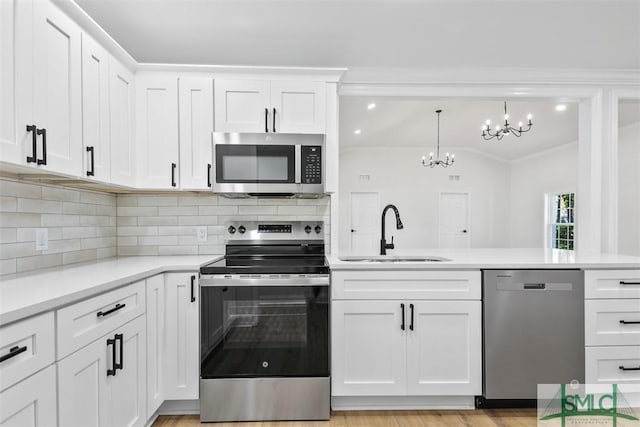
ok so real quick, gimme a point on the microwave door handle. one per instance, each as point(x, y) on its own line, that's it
point(298, 164)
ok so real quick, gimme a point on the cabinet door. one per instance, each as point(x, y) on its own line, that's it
point(121, 102)
point(15, 79)
point(196, 125)
point(57, 89)
point(368, 348)
point(157, 131)
point(300, 107)
point(181, 349)
point(82, 386)
point(31, 402)
point(444, 348)
point(155, 342)
point(127, 389)
point(95, 110)
point(242, 106)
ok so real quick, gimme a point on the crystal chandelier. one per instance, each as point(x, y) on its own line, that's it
point(501, 132)
point(448, 160)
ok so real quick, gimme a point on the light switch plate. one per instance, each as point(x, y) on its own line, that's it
point(201, 233)
point(42, 239)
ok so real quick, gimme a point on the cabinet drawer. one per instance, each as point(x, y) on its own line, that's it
point(83, 322)
point(612, 322)
point(396, 285)
point(612, 284)
point(26, 346)
point(605, 365)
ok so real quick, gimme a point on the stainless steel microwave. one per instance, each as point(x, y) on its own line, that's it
point(268, 164)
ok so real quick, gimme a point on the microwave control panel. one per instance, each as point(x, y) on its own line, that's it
point(311, 164)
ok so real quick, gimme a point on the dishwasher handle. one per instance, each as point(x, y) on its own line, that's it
point(539, 286)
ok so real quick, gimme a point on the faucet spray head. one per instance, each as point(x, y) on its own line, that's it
point(399, 224)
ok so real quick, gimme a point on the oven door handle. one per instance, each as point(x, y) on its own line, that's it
point(221, 280)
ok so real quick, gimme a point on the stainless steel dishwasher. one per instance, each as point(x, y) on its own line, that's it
point(533, 333)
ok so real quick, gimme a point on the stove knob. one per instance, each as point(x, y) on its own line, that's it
point(231, 229)
point(241, 229)
point(307, 229)
point(318, 229)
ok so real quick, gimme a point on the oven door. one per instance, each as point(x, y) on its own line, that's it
point(254, 328)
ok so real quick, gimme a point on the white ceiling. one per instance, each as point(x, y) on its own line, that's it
point(590, 34)
point(398, 122)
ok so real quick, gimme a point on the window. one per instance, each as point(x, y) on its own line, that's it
point(562, 226)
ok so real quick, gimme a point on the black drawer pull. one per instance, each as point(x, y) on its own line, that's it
point(630, 322)
point(119, 365)
point(34, 143)
point(112, 342)
point(402, 325)
point(193, 281)
point(43, 132)
point(92, 170)
point(116, 308)
point(625, 283)
point(622, 368)
point(411, 324)
point(13, 352)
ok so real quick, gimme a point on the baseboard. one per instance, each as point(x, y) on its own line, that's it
point(372, 403)
point(179, 407)
point(152, 420)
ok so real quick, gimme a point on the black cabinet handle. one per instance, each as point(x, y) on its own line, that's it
point(173, 174)
point(92, 171)
point(622, 368)
point(402, 324)
point(120, 364)
point(411, 324)
point(43, 132)
point(112, 342)
point(116, 308)
point(209, 175)
point(624, 283)
point(630, 322)
point(193, 282)
point(13, 352)
point(273, 128)
point(266, 120)
point(34, 144)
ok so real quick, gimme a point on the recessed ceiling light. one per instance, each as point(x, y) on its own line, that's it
point(561, 107)
point(357, 131)
point(371, 106)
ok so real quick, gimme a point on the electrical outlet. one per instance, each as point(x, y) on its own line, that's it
point(201, 233)
point(42, 239)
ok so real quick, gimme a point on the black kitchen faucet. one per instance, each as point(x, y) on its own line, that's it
point(383, 243)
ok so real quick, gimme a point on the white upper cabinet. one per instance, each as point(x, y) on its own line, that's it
point(270, 106)
point(121, 107)
point(95, 110)
point(47, 87)
point(196, 124)
point(157, 131)
point(57, 89)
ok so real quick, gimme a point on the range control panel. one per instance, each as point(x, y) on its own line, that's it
point(275, 230)
point(311, 164)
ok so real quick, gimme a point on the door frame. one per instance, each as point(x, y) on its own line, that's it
point(468, 194)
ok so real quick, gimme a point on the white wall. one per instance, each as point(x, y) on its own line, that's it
point(398, 175)
point(551, 171)
point(629, 190)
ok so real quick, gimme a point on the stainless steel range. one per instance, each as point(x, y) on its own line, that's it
point(264, 328)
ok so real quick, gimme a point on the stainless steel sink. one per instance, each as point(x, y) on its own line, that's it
point(392, 258)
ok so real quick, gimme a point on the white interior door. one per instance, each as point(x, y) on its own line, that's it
point(453, 230)
point(365, 212)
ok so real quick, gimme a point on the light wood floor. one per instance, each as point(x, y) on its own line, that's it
point(471, 418)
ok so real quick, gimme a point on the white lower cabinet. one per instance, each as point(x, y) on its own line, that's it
point(406, 333)
point(181, 350)
point(104, 383)
point(31, 402)
point(155, 342)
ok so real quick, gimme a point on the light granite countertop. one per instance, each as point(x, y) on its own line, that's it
point(489, 258)
point(31, 293)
